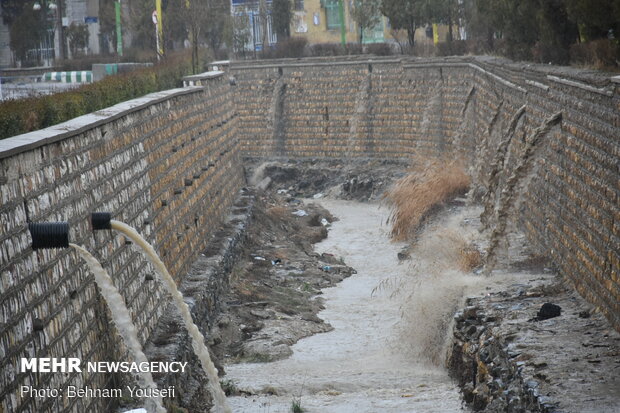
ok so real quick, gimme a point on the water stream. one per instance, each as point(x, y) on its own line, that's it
point(124, 324)
point(364, 364)
point(198, 344)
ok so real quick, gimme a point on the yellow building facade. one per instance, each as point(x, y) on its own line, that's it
point(318, 21)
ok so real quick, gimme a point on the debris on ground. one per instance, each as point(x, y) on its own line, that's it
point(275, 287)
point(361, 180)
point(506, 363)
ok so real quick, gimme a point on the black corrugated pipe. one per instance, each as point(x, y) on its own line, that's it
point(49, 234)
point(101, 220)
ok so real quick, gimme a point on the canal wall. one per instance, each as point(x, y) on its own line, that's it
point(542, 142)
point(168, 164)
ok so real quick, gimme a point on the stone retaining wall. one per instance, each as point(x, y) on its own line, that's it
point(168, 164)
point(562, 183)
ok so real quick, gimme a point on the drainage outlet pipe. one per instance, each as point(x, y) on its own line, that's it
point(46, 235)
point(101, 220)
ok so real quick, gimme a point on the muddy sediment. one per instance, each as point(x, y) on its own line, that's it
point(276, 282)
point(362, 180)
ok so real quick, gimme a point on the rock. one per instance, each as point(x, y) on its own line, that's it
point(584, 314)
point(404, 254)
point(547, 311)
point(470, 313)
point(264, 183)
point(481, 396)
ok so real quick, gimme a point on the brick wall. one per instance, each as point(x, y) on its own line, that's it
point(566, 186)
point(167, 164)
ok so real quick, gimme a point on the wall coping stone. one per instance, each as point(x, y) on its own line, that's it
point(31, 140)
point(591, 80)
point(319, 63)
point(602, 91)
point(205, 75)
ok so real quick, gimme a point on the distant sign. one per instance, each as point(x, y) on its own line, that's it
point(91, 19)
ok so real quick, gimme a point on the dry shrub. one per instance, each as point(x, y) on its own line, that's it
point(278, 212)
point(448, 249)
point(470, 258)
point(416, 195)
point(600, 54)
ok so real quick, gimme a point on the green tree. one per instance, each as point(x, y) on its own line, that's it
point(27, 32)
point(403, 14)
point(12, 9)
point(514, 23)
point(440, 11)
point(281, 16)
point(595, 18)
point(366, 13)
point(107, 24)
point(480, 30)
point(557, 32)
point(77, 34)
point(241, 32)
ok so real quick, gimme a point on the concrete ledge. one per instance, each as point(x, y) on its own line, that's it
point(27, 141)
point(537, 84)
point(318, 64)
point(584, 86)
point(219, 65)
point(193, 80)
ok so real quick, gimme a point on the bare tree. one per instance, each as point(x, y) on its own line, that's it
point(241, 32)
point(366, 14)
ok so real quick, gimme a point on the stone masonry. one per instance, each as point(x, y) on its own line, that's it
point(166, 164)
point(169, 164)
point(566, 183)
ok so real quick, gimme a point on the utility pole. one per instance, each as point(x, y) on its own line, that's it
point(160, 30)
point(119, 32)
point(343, 39)
point(61, 38)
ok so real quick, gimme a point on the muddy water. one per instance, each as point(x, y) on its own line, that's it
point(363, 365)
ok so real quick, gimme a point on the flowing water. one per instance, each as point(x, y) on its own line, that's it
point(198, 344)
point(122, 320)
point(365, 364)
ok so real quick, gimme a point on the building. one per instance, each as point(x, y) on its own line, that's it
point(84, 13)
point(319, 22)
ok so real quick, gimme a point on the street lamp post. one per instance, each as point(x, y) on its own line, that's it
point(57, 9)
point(61, 37)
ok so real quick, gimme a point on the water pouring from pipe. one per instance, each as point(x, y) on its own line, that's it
point(46, 235)
point(122, 320)
point(102, 220)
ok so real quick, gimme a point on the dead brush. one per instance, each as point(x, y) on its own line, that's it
point(414, 196)
point(278, 212)
point(449, 249)
point(470, 258)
